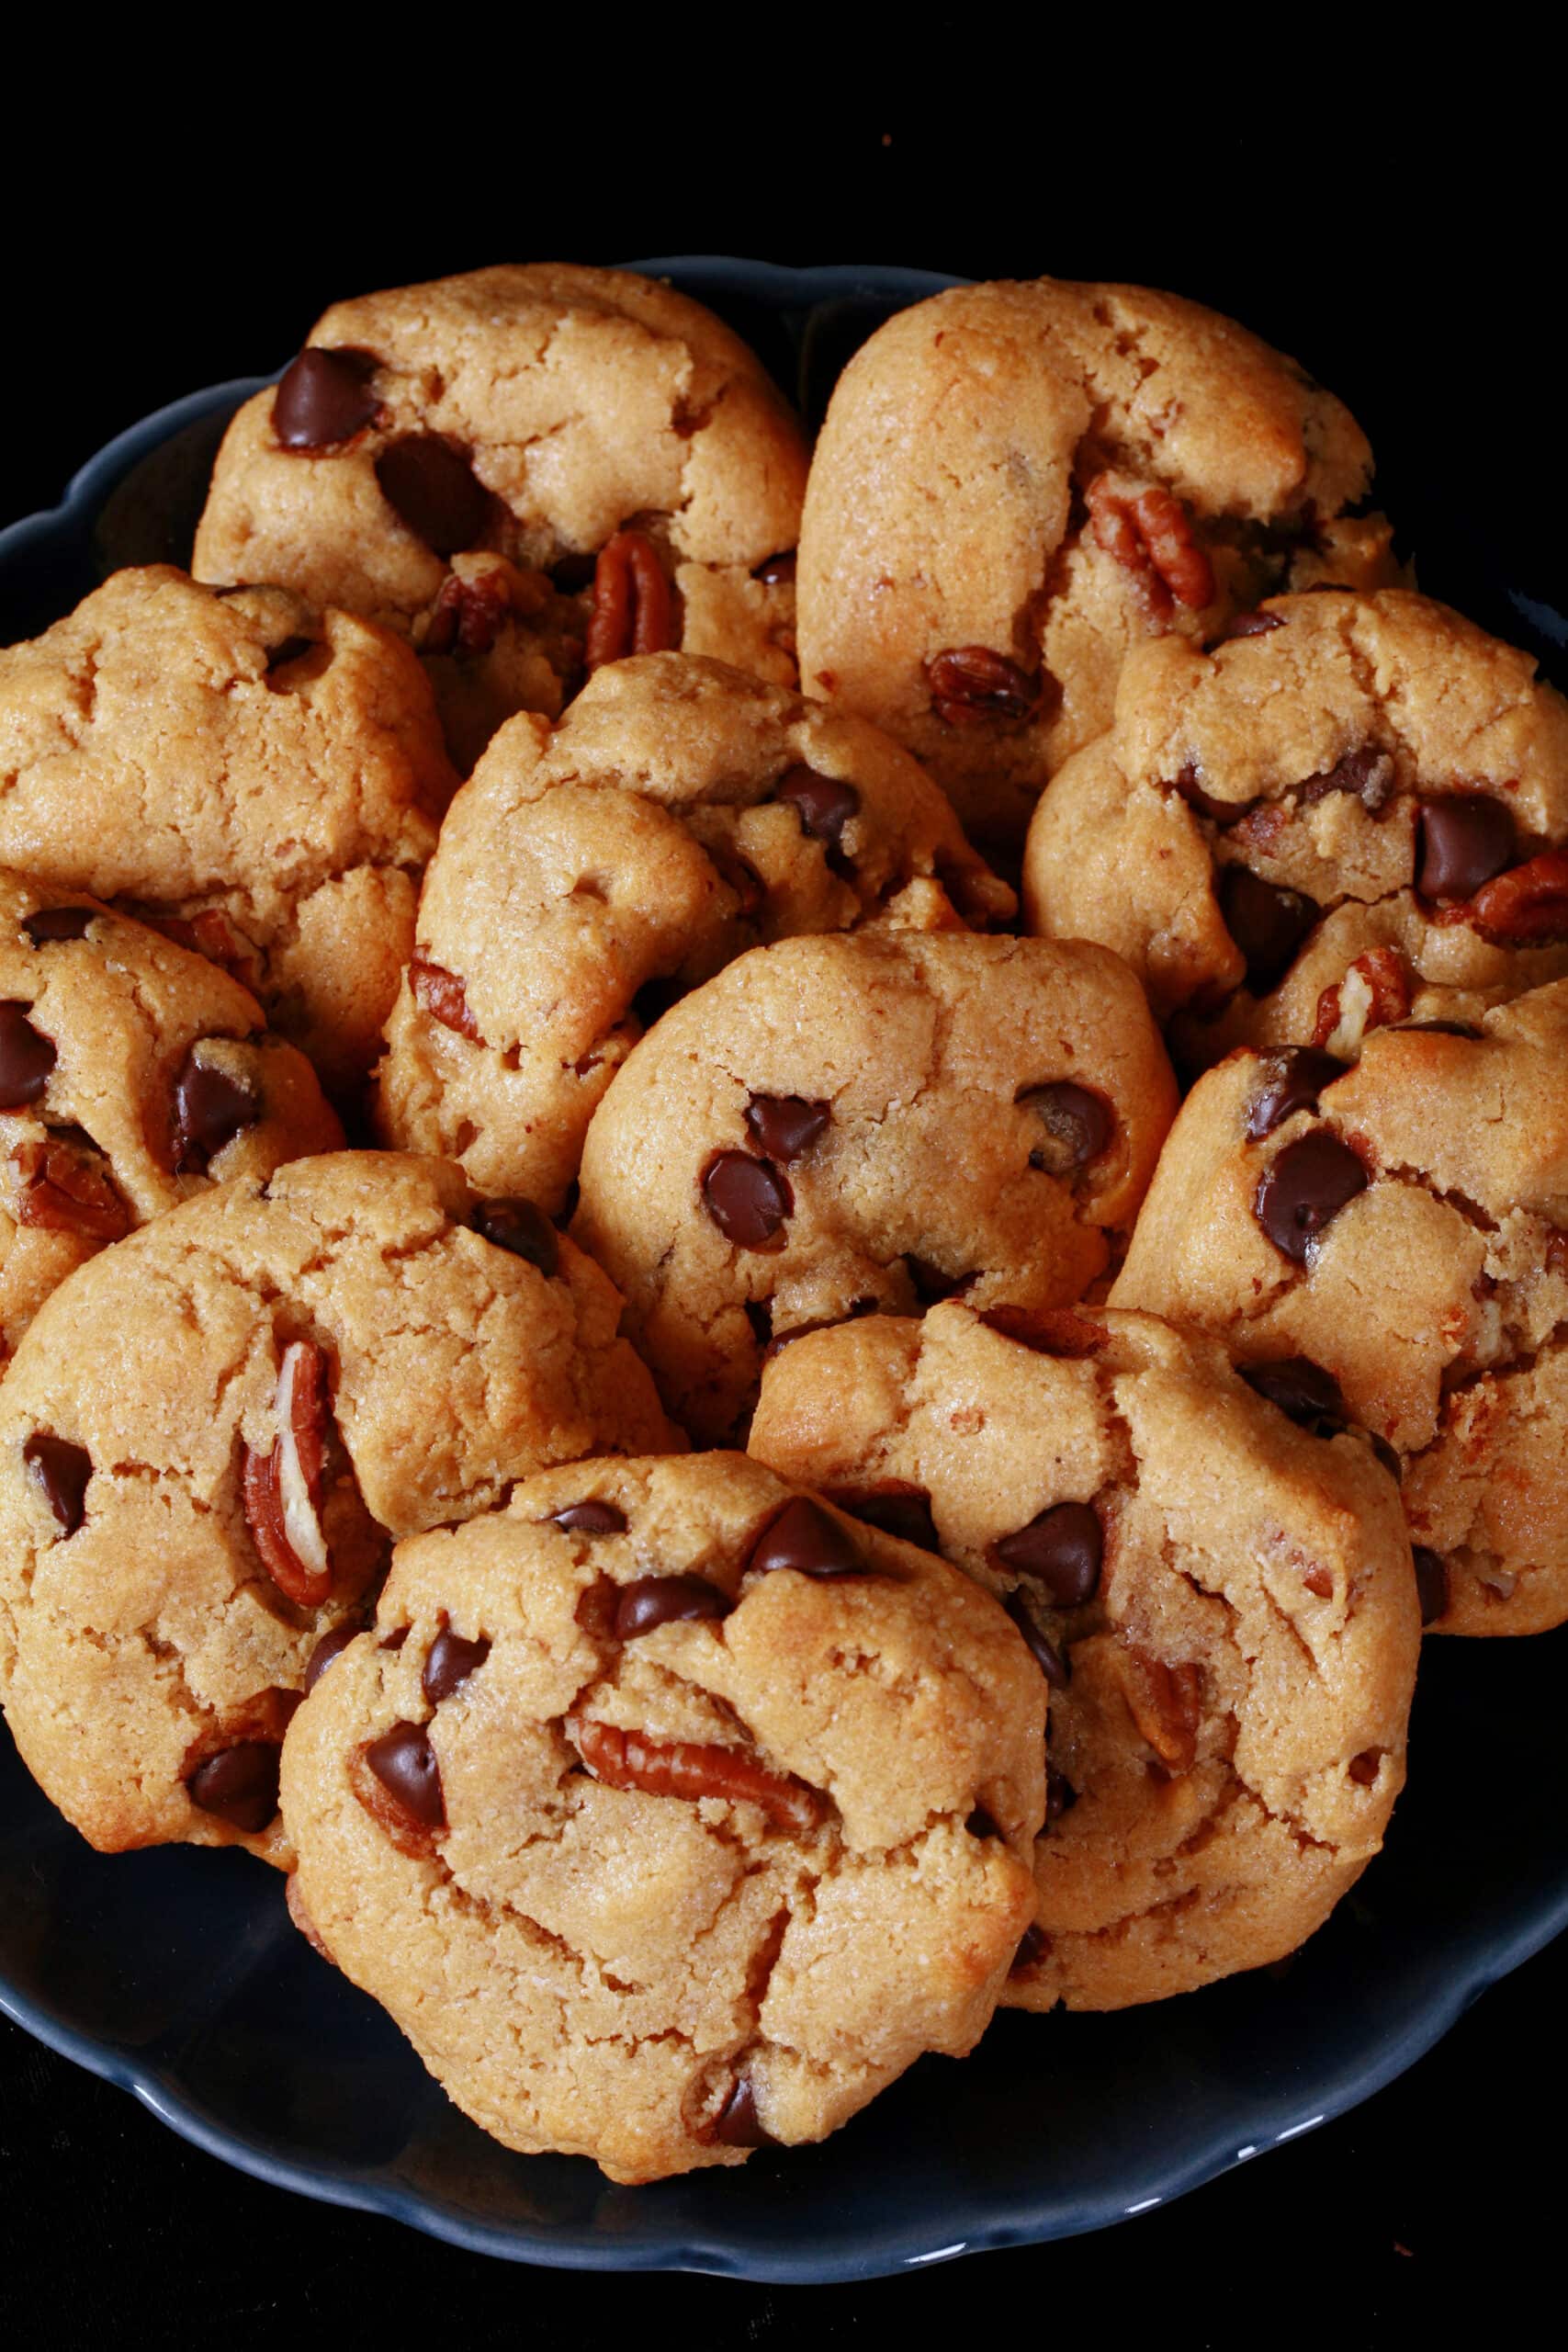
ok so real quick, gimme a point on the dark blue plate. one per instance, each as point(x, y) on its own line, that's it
point(176, 1973)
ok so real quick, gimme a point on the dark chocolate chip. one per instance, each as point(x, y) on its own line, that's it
point(651, 1601)
point(1303, 1390)
point(1305, 1188)
point(211, 1107)
point(238, 1784)
point(63, 1471)
point(1431, 1584)
point(897, 1509)
point(747, 1199)
point(1267, 924)
point(27, 1058)
point(324, 398)
point(786, 1125)
point(1079, 1124)
point(1222, 813)
point(823, 804)
point(1464, 839)
point(1294, 1078)
point(450, 1661)
point(776, 571)
point(404, 1763)
point(1368, 773)
point(395, 1639)
point(1060, 1794)
point(433, 490)
point(1031, 1946)
point(327, 1650)
point(808, 1539)
point(1051, 1661)
point(738, 2123)
point(1254, 624)
point(517, 1225)
point(59, 923)
point(1061, 1551)
point(590, 1517)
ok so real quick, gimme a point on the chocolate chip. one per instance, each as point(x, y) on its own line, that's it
point(27, 1058)
point(822, 803)
point(747, 1199)
point(897, 1509)
point(1267, 924)
point(776, 571)
point(395, 1639)
point(808, 1539)
point(786, 1125)
point(1368, 773)
point(1061, 1551)
point(324, 398)
point(517, 1225)
point(431, 485)
point(1431, 1584)
point(59, 923)
point(1051, 1661)
point(211, 1107)
point(404, 1763)
point(1254, 624)
point(330, 1648)
point(738, 2123)
point(450, 1662)
point(238, 1784)
point(1219, 813)
point(1303, 1390)
point(1305, 1188)
point(63, 1471)
point(1033, 1945)
point(590, 1517)
point(1078, 1124)
point(932, 1284)
point(1296, 1076)
point(651, 1601)
point(1465, 838)
point(1060, 1794)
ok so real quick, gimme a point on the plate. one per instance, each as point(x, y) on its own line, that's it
point(176, 1972)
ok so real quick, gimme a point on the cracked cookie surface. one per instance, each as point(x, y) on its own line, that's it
point(214, 1430)
point(1220, 1601)
point(1355, 812)
point(263, 780)
point(451, 458)
point(684, 1817)
point(1017, 483)
point(1402, 1224)
point(681, 813)
point(837, 1125)
point(132, 1074)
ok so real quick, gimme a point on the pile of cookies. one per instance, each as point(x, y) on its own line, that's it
point(622, 1353)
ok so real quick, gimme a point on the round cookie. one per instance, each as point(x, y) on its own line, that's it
point(1354, 811)
point(837, 1125)
point(1220, 1601)
point(213, 1432)
point(525, 471)
point(684, 1816)
point(263, 782)
point(1402, 1225)
point(681, 813)
point(132, 1074)
point(1017, 483)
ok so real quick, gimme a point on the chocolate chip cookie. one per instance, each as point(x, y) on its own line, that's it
point(681, 813)
point(1216, 1584)
point(834, 1126)
point(1351, 811)
point(133, 1073)
point(261, 781)
point(212, 1433)
point(669, 1813)
point(527, 471)
point(1394, 1232)
point(1015, 484)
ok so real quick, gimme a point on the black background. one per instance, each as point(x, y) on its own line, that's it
point(1405, 248)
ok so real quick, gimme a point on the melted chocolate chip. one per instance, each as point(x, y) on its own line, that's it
point(395, 1639)
point(785, 1125)
point(329, 1648)
point(1305, 1188)
point(59, 923)
point(651, 1601)
point(27, 1058)
point(897, 1509)
point(238, 1784)
point(1267, 924)
point(808, 1539)
point(404, 1763)
point(1254, 624)
point(1079, 1124)
point(63, 1471)
point(1368, 773)
point(432, 487)
point(590, 1517)
point(822, 803)
point(1033, 1945)
point(1222, 813)
point(450, 1662)
point(1303, 1390)
point(517, 1225)
point(747, 1199)
point(324, 398)
point(1295, 1077)
point(1431, 1584)
point(1051, 1661)
point(1061, 1552)
point(1464, 839)
point(211, 1107)
point(738, 2124)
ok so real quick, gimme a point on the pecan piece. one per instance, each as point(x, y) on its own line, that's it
point(1149, 533)
point(1527, 907)
point(1374, 993)
point(469, 614)
point(282, 1489)
point(1166, 1702)
point(441, 994)
point(209, 932)
point(634, 611)
point(66, 1192)
point(678, 1768)
point(970, 683)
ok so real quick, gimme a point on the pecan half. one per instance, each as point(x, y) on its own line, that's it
point(67, 1191)
point(282, 1490)
point(1149, 533)
point(1527, 907)
point(634, 611)
point(970, 683)
point(1374, 993)
point(441, 994)
point(678, 1768)
point(1166, 1702)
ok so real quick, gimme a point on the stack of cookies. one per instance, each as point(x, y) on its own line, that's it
point(769, 1219)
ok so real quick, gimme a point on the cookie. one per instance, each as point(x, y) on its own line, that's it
point(1015, 484)
point(1354, 811)
point(669, 1812)
point(680, 813)
point(1401, 1225)
point(261, 781)
point(1220, 1601)
point(132, 1074)
point(834, 1126)
point(526, 471)
point(213, 1432)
